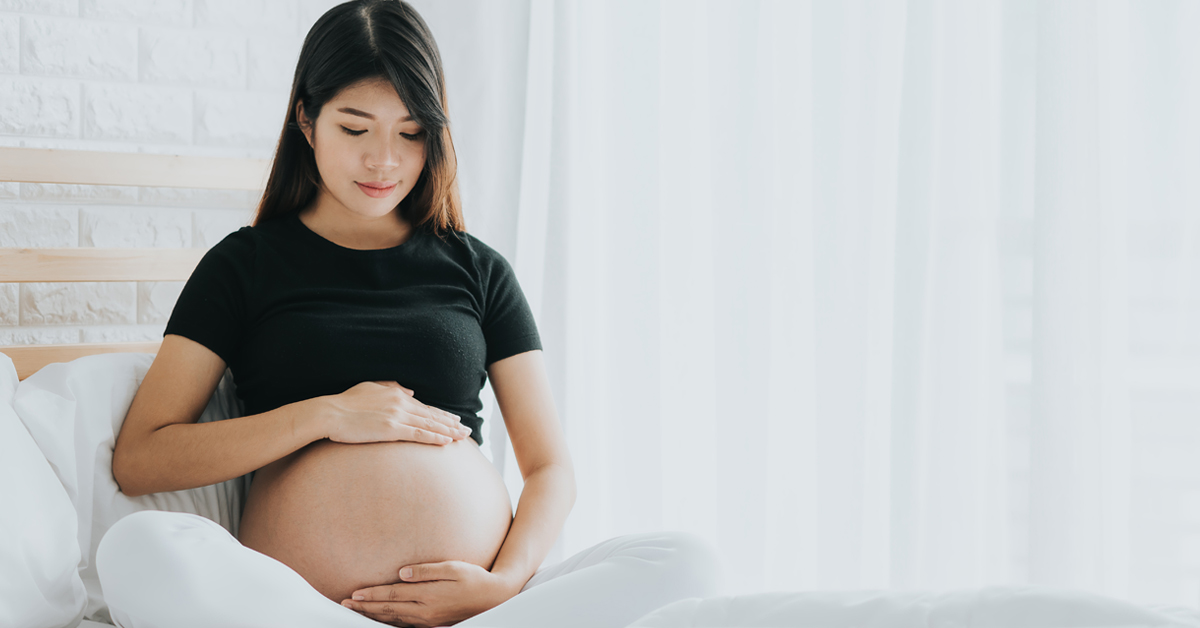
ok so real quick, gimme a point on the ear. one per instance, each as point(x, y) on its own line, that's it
point(303, 121)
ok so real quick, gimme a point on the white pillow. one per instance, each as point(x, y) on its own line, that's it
point(74, 412)
point(40, 585)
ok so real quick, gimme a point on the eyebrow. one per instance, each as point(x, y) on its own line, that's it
point(355, 112)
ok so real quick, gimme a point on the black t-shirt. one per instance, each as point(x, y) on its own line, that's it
point(296, 316)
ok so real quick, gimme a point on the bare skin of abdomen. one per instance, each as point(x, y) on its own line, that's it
point(349, 516)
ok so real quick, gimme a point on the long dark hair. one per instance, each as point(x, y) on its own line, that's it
point(353, 41)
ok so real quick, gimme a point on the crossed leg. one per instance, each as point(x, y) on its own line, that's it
point(611, 584)
point(163, 569)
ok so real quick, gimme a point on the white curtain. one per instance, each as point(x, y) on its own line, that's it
point(869, 294)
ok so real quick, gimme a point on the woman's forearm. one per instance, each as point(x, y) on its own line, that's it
point(181, 456)
point(546, 499)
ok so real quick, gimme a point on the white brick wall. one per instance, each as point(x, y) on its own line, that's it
point(199, 77)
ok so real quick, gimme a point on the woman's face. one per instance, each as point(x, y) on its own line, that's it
point(363, 137)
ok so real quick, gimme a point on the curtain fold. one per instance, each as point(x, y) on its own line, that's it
point(869, 294)
point(1079, 414)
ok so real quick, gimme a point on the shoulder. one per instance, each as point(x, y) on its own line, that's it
point(481, 253)
point(247, 240)
point(243, 240)
point(237, 249)
point(469, 250)
point(489, 269)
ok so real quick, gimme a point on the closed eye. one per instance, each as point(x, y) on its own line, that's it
point(410, 136)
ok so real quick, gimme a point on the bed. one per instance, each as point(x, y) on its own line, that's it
point(61, 407)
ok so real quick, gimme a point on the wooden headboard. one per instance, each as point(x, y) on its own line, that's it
point(42, 165)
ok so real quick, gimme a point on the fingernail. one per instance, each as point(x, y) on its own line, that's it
point(359, 597)
point(346, 604)
point(406, 572)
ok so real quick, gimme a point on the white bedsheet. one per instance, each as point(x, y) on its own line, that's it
point(986, 607)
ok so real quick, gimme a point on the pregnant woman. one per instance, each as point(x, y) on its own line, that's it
point(360, 322)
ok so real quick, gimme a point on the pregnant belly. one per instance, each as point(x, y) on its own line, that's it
point(348, 516)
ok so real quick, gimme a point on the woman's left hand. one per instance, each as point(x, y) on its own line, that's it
point(436, 594)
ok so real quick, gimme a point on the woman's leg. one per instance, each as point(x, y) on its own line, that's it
point(611, 584)
point(178, 570)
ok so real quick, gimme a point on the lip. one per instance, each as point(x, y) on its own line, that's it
point(373, 190)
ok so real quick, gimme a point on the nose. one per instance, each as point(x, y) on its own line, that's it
point(384, 155)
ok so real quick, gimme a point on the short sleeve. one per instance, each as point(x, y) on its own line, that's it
point(212, 306)
point(508, 324)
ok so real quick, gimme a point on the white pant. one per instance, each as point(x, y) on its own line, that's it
point(163, 569)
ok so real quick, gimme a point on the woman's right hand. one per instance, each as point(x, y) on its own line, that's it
point(371, 412)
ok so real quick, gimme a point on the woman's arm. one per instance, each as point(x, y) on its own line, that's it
point(161, 447)
point(523, 393)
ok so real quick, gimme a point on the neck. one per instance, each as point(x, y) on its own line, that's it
point(355, 231)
